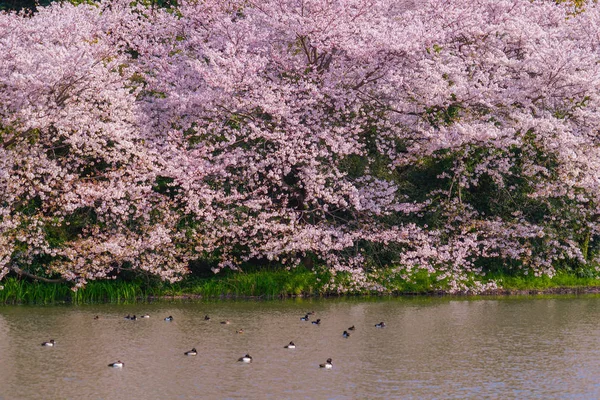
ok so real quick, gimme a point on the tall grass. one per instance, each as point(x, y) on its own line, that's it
point(420, 282)
point(21, 291)
point(110, 291)
point(529, 282)
point(262, 283)
point(259, 283)
point(17, 291)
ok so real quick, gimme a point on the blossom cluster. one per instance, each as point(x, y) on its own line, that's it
point(438, 135)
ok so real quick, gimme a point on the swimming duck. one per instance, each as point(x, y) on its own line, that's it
point(127, 316)
point(351, 328)
point(192, 352)
point(380, 325)
point(291, 345)
point(145, 316)
point(133, 318)
point(327, 364)
point(206, 318)
point(96, 317)
point(346, 334)
point(305, 318)
point(225, 322)
point(49, 343)
point(169, 318)
point(317, 322)
point(240, 331)
point(246, 359)
point(118, 364)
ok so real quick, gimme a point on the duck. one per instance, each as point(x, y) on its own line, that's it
point(96, 317)
point(169, 318)
point(127, 316)
point(192, 352)
point(327, 364)
point(145, 316)
point(240, 331)
point(351, 328)
point(118, 364)
point(246, 359)
point(225, 322)
point(317, 322)
point(346, 334)
point(133, 318)
point(380, 325)
point(291, 345)
point(49, 343)
point(305, 318)
point(206, 318)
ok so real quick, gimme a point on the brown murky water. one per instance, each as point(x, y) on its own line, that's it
point(431, 348)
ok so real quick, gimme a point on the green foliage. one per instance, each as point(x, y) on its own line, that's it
point(530, 282)
point(164, 185)
point(20, 291)
point(261, 283)
point(17, 291)
point(443, 116)
point(578, 5)
point(416, 282)
point(112, 292)
point(276, 283)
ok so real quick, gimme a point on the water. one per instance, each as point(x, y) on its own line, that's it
point(431, 348)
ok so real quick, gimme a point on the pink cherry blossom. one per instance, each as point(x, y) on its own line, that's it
point(435, 136)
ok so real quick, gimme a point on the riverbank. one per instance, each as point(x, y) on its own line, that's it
point(269, 284)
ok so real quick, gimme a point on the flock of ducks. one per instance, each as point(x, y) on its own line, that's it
point(246, 358)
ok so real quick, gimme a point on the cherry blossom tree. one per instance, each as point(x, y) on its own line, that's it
point(442, 136)
point(77, 173)
point(312, 124)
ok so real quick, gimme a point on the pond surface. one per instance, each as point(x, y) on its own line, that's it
point(431, 348)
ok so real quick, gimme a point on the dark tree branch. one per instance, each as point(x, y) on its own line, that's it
point(20, 272)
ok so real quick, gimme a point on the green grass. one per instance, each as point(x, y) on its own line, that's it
point(262, 283)
point(22, 291)
point(111, 291)
point(17, 291)
point(421, 282)
point(530, 282)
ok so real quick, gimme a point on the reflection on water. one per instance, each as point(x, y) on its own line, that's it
point(431, 348)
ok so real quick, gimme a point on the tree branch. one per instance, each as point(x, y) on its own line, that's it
point(20, 272)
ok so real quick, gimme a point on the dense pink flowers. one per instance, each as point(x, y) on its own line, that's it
point(437, 135)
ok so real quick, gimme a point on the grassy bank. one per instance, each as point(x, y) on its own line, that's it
point(264, 284)
point(562, 280)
